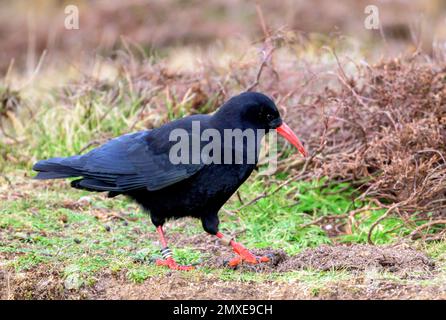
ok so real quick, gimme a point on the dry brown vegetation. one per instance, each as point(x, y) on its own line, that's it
point(378, 125)
point(385, 131)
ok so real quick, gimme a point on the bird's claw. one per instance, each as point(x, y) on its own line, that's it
point(244, 255)
point(172, 265)
point(233, 263)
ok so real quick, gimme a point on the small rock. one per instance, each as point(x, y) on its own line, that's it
point(63, 218)
point(84, 201)
point(73, 282)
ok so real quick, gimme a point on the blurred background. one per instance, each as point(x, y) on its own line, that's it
point(27, 28)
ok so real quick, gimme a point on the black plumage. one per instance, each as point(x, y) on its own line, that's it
point(137, 165)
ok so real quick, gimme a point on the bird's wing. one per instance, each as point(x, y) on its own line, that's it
point(132, 161)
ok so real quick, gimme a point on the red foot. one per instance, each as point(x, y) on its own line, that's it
point(172, 265)
point(244, 255)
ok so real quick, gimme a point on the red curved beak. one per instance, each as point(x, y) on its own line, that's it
point(288, 134)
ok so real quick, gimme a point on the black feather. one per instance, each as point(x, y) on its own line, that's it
point(138, 165)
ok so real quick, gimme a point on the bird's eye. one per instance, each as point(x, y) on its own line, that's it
point(269, 117)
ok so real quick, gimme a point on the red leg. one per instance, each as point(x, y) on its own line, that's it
point(243, 253)
point(167, 254)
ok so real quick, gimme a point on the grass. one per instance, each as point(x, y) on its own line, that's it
point(280, 218)
point(65, 123)
point(42, 227)
point(45, 227)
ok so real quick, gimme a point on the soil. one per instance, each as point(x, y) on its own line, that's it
point(397, 259)
point(174, 287)
point(41, 285)
point(362, 260)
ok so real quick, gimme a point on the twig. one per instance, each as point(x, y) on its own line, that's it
point(141, 111)
point(265, 61)
point(283, 184)
point(323, 218)
point(377, 222)
point(267, 56)
point(424, 226)
point(266, 194)
point(239, 197)
point(90, 144)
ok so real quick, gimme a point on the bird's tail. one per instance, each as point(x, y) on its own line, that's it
point(57, 168)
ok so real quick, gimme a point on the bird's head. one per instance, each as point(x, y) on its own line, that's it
point(257, 111)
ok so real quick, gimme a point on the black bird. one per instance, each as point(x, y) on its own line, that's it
point(139, 165)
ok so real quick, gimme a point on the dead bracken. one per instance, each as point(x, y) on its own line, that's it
point(384, 131)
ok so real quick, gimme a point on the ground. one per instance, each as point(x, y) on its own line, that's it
point(363, 217)
point(62, 243)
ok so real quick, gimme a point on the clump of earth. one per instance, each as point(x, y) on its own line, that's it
point(355, 257)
